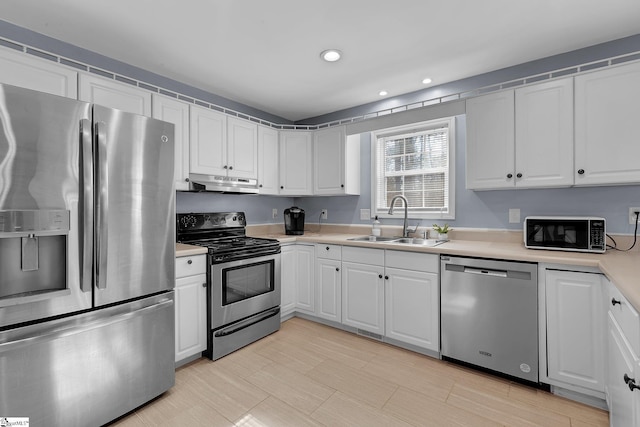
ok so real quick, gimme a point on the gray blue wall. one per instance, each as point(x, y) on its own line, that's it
point(487, 209)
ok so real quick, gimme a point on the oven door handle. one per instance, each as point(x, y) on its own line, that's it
point(237, 327)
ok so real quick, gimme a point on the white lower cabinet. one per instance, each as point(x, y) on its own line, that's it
point(297, 279)
point(575, 330)
point(412, 299)
point(305, 289)
point(288, 269)
point(190, 306)
point(623, 364)
point(329, 282)
point(363, 289)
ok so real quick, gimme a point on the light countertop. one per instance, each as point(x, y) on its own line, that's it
point(621, 268)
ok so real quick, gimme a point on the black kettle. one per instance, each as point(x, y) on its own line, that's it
point(294, 221)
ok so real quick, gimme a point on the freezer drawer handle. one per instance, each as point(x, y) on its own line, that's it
point(485, 271)
point(55, 333)
point(249, 322)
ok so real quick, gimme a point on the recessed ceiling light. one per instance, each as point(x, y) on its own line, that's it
point(426, 80)
point(383, 93)
point(331, 55)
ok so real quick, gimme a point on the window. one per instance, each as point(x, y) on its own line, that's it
point(417, 162)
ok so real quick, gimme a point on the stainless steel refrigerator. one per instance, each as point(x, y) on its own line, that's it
point(87, 213)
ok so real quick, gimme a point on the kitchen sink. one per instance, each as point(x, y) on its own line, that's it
point(373, 239)
point(418, 242)
point(402, 240)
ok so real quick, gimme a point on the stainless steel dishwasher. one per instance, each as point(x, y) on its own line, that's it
point(489, 314)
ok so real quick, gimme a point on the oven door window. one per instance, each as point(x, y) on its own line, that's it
point(247, 281)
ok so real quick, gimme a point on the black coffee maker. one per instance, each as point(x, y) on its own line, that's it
point(294, 221)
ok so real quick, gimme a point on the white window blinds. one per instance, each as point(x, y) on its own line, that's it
point(414, 163)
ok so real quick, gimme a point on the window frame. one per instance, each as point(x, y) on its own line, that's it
point(449, 214)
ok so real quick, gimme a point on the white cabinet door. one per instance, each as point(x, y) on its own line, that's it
point(242, 148)
point(575, 328)
point(363, 296)
point(624, 404)
point(296, 165)
point(288, 279)
point(607, 126)
point(268, 171)
point(329, 289)
point(19, 69)
point(490, 141)
point(411, 308)
point(177, 112)
point(305, 289)
point(191, 316)
point(113, 94)
point(329, 160)
point(208, 141)
point(544, 134)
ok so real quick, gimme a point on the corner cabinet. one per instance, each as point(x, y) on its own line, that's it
point(336, 162)
point(113, 94)
point(297, 279)
point(268, 169)
point(521, 138)
point(28, 71)
point(190, 307)
point(575, 325)
point(288, 279)
point(177, 112)
point(607, 126)
point(296, 163)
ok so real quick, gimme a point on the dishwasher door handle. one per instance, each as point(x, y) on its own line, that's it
point(485, 272)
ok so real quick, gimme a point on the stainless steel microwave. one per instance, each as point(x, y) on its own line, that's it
point(565, 233)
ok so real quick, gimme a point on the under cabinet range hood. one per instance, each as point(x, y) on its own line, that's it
point(223, 184)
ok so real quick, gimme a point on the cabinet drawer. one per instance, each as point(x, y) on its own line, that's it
point(329, 251)
point(191, 265)
point(415, 261)
point(363, 255)
point(626, 316)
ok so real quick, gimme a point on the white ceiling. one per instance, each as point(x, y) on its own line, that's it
point(265, 53)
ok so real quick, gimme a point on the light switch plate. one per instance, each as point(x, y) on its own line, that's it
point(514, 216)
point(365, 214)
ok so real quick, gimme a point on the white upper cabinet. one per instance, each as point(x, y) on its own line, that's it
point(607, 126)
point(30, 72)
point(296, 163)
point(242, 148)
point(521, 138)
point(177, 112)
point(222, 145)
point(490, 141)
point(336, 162)
point(208, 141)
point(113, 94)
point(544, 134)
point(268, 170)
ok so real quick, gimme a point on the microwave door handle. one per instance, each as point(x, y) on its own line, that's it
point(86, 227)
point(102, 191)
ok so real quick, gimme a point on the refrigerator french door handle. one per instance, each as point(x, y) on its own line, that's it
point(86, 227)
point(102, 192)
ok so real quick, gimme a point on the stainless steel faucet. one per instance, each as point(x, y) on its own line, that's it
point(405, 231)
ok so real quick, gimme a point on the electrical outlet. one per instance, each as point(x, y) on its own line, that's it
point(323, 214)
point(632, 215)
point(365, 214)
point(514, 216)
point(274, 213)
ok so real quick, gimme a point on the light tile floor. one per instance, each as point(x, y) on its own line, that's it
point(309, 374)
